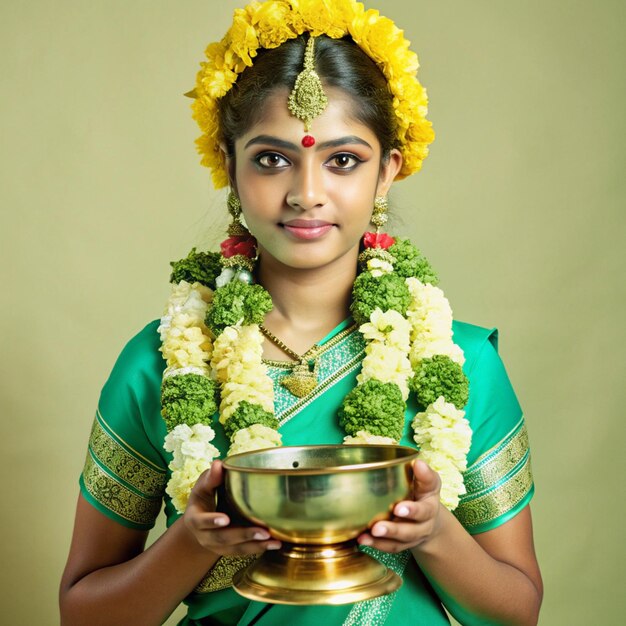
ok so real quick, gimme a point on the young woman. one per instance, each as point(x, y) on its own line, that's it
point(312, 326)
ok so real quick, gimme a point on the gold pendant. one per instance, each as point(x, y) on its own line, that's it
point(301, 382)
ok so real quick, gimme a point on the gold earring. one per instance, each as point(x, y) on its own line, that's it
point(239, 250)
point(235, 228)
point(379, 215)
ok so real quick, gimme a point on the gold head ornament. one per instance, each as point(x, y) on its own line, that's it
point(270, 24)
point(308, 100)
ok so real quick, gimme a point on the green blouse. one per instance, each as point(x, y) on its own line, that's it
point(125, 472)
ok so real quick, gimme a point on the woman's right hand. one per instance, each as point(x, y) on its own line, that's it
point(212, 529)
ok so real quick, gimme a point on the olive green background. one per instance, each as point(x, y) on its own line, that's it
point(519, 207)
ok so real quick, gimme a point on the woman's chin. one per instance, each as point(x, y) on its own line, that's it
point(310, 258)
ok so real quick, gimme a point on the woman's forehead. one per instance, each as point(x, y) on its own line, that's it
point(336, 121)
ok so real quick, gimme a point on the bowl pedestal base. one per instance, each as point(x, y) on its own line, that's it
point(315, 574)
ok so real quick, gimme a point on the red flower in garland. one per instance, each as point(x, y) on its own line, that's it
point(244, 245)
point(378, 240)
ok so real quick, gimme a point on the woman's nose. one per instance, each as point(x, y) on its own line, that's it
point(308, 190)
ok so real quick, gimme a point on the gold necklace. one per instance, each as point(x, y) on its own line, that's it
point(303, 378)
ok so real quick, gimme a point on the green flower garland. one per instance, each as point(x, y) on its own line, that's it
point(213, 347)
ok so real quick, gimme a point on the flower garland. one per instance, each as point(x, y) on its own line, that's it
point(271, 23)
point(213, 346)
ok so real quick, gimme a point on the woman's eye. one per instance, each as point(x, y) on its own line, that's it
point(344, 161)
point(271, 160)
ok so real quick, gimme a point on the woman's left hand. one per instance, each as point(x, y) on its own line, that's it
point(415, 521)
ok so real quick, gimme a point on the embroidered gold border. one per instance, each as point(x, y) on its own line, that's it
point(220, 576)
point(126, 445)
point(492, 504)
point(121, 463)
point(498, 462)
point(376, 611)
point(497, 481)
point(116, 497)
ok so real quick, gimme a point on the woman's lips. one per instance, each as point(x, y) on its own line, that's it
point(307, 229)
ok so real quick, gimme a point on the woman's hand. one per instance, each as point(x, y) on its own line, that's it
point(212, 529)
point(415, 521)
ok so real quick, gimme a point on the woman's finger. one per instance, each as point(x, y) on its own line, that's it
point(412, 511)
point(199, 520)
point(237, 540)
point(426, 482)
point(403, 532)
point(387, 544)
point(207, 483)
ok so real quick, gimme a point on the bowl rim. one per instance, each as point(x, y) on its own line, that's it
point(410, 455)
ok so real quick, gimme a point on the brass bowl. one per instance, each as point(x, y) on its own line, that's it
point(317, 500)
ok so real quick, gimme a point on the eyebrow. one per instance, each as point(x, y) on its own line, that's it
point(281, 143)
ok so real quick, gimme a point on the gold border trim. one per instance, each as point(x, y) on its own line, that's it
point(376, 610)
point(116, 497)
point(492, 504)
point(220, 576)
point(496, 463)
point(126, 445)
point(122, 464)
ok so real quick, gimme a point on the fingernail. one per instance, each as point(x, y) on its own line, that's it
point(220, 521)
point(261, 536)
point(379, 531)
point(402, 511)
point(365, 541)
point(273, 545)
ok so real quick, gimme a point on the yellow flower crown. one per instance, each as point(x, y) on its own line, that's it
point(270, 24)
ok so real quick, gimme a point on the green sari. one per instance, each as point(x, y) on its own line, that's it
point(126, 470)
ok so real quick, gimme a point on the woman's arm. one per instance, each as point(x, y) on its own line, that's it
point(110, 579)
point(494, 574)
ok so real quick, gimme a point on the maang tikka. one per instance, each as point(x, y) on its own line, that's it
point(307, 99)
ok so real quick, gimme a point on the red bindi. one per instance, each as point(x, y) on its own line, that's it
point(308, 141)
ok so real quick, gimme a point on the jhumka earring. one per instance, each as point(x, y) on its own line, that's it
point(235, 228)
point(238, 250)
point(375, 256)
point(380, 215)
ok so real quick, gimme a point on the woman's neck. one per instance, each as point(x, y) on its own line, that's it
point(308, 303)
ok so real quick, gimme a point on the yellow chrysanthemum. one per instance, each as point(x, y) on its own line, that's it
point(270, 24)
point(274, 23)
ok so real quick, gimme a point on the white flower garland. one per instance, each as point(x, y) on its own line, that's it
point(395, 346)
point(186, 346)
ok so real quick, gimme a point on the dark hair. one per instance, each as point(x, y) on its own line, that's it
point(339, 63)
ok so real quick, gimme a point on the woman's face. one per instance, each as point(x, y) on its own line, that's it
point(309, 207)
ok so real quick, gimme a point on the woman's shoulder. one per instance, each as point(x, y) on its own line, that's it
point(130, 398)
point(474, 340)
point(140, 357)
point(143, 347)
